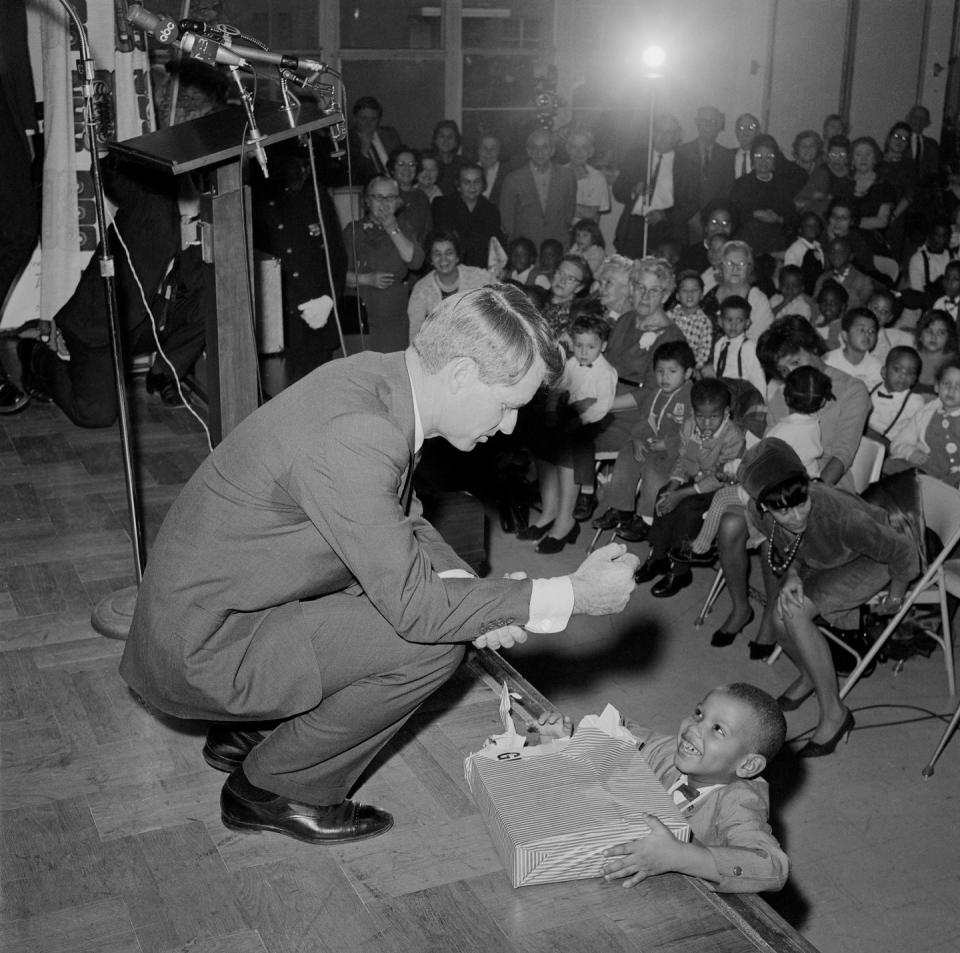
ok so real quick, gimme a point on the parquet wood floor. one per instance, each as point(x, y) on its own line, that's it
point(111, 834)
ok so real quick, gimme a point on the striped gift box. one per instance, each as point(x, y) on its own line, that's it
point(553, 809)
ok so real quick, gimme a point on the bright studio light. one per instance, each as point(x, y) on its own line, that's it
point(654, 57)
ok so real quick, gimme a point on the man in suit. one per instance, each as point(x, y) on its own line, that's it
point(538, 201)
point(746, 129)
point(474, 218)
point(924, 149)
point(703, 171)
point(490, 160)
point(369, 142)
point(653, 204)
point(296, 586)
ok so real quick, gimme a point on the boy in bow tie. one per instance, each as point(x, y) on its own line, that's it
point(712, 767)
point(893, 398)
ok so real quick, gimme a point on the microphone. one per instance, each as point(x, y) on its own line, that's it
point(187, 35)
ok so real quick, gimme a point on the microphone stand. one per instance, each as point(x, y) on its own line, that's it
point(108, 273)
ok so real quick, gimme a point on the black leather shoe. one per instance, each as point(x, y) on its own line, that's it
point(30, 380)
point(611, 518)
point(553, 544)
point(586, 504)
point(12, 399)
point(635, 530)
point(672, 583)
point(165, 386)
point(683, 553)
point(722, 638)
point(227, 747)
point(534, 532)
point(651, 568)
point(244, 807)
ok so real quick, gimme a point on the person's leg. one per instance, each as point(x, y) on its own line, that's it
point(549, 481)
point(372, 682)
point(567, 499)
point(806, 646)
point(735, 562)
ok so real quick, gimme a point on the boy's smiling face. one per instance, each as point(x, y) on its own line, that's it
point(861, 336)
point(791, 285)
point(716, 743)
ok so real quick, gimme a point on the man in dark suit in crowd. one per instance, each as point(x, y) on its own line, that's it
point(538, 200)
point(295, 585)
point(703, 170)
point(490, 159)
point(474, 218)
point(924, 149)
point(651, 202)
point(369, 142)
point(746, 129)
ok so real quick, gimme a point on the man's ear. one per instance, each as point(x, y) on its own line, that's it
point(603, 346)
point(843, 338)
point(752, 765)
point(461, 372)
point(688, 373)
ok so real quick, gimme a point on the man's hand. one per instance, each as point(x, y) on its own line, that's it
point(379, 279)
point(645, 857)
point(504, 638)
point(667, 501)
point(553, 724)
point(604, 581)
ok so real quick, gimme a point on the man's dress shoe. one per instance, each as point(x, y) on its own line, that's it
point(244, 807)
point(226, 747)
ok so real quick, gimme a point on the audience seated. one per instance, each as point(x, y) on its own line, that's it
point(474, 218)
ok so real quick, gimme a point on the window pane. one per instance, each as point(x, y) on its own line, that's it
point(391, 81)
point(290, 26)
point(391, 25)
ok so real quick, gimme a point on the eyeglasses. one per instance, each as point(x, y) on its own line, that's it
point(643, 292)
point(565, 278)
point(902, 136)
point(763, 157)
point(383, 198)
point(837, 155)
point(748, 125)
point(400, 163)
point(736, 265)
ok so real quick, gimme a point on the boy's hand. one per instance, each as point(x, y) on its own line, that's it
point(581, 405)
point(654, 444)
point(668, 501)
point(636, 860)
point(554, 724)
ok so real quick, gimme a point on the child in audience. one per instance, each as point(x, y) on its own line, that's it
point(805, 392)
point(930, 439)
point(687, 315)
point(950, 300)
point(936, 343)
point(708, 441)
point(735, 355)
point(832, 304)
point(588, 243)
point(522, 255)
point(654, 445)
point(845, 273)
point(711, 767)
point(551, 251)
point(888, 307)
point(857, 339)
point(792, 298)
point(575, 406)
point(928, 263)
point(806, 253)
point(893, 399)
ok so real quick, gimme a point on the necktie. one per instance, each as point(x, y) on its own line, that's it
point(586, 365)
point(656, 173)
point(917, 146)
point(705, 167)
point(687, 794)
point(722, 359)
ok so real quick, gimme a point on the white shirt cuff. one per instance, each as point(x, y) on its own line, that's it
point(456, 574)
point(551, 605)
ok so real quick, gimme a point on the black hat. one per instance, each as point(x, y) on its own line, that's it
point(769, 464)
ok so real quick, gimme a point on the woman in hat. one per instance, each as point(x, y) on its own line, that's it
point(825, 553)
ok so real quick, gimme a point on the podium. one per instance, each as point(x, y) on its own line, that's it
point(217, 143)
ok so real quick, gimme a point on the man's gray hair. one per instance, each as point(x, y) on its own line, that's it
point(497, 327)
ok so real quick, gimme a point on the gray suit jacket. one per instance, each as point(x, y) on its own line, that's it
point(305, 498)
point(522, 214)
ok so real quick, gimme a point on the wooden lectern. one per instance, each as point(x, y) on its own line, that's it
point(217, 143)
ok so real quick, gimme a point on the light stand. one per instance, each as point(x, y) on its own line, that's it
point(118, 603)
point(653, 58)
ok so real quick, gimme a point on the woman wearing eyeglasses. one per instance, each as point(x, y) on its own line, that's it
point(736, 274)
point(899, 169)
point(762, 199)
point(825, 553)
point(571, 279)
point(404, 164)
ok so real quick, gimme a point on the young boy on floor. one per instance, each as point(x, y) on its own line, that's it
point(712, 768)
point(858, 337)
point(792, 299)
point(709, 440)
point(893, 398)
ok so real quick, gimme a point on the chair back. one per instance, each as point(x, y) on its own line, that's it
point(941, 513)
point(867, 463)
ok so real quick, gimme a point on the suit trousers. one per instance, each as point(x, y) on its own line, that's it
point(372, 681)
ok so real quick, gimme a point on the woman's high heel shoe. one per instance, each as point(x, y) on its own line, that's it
point(550, 544)
point(760, 651)
point(722, 638)
point(534, 532)
point(813, 750)
point(787, 703)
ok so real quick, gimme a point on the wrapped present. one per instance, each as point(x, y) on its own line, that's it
point(553, 809)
